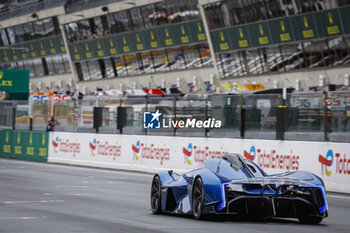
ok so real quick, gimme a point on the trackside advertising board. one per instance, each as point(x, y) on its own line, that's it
point(330, 161)
point(28, 145)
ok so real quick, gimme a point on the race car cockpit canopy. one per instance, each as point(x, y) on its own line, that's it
point(233, 166)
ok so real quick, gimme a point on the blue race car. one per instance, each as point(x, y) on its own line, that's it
point(235, 186)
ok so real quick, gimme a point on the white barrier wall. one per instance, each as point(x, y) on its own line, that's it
point(330, 161)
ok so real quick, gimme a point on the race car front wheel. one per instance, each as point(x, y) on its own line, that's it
point(198, 199)
point(155, 195)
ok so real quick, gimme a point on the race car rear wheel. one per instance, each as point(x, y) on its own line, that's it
point(155, 195)
point(198, 199)
point(310, 220)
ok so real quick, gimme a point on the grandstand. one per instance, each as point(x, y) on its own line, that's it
point(204, 46)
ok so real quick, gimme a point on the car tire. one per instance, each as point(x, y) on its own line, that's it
point(198, 199)
point(310, 220)
point(155, 195)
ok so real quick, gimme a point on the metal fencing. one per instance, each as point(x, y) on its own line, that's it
point(7, 114)
point(302, 116)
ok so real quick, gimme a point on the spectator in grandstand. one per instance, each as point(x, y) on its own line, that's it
point(107, 32)
point(94, 34)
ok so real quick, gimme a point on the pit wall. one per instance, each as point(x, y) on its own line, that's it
point(330, 161)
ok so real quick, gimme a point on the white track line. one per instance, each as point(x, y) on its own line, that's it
point(75, 186)
point(103, 182)
point(134, 173)
point(338, 196)
point(68, 194)
point(40, 201)
point(22, 218)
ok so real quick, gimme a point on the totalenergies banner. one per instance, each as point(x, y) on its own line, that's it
point(112, 151)
point(330, 161)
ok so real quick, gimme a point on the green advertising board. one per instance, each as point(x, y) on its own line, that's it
point(6, 143)
point(145, 40)
point(49, 46)
point(151, 38)
point(197, 31)
point(262, 35)
point(110, 46)
point(14, 81)
point(240, 37)
point(316, 25)
point(345, 17)
point(26, 145)
point(221, 40)
point(304, 27)
point(282, 30)
point(329, 23)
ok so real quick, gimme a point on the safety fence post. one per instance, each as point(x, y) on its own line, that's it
point(243, 111)
point(281, 116)
point(281, 122)
point(174, 131)
point(206, 133)
point(147, 101)
point(121, 118)
point(326, 117)
point(14, 117)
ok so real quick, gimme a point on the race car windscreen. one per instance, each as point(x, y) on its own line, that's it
point(232, 171)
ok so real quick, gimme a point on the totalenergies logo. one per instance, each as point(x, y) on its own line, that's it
point(92, 146)
point(251, 154)
point(342, 163)
point(65, 146)
point(150, 152)
point(197, 154)
point(136, 150)
point(326, 162)
point(105, 148)
point(187, 153)
point(55, 144)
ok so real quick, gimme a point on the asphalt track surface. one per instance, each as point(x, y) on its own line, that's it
point(50, 198)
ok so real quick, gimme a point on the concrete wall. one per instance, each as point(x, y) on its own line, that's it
point(330, 161)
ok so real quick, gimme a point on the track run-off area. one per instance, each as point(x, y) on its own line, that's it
point(51, 198)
